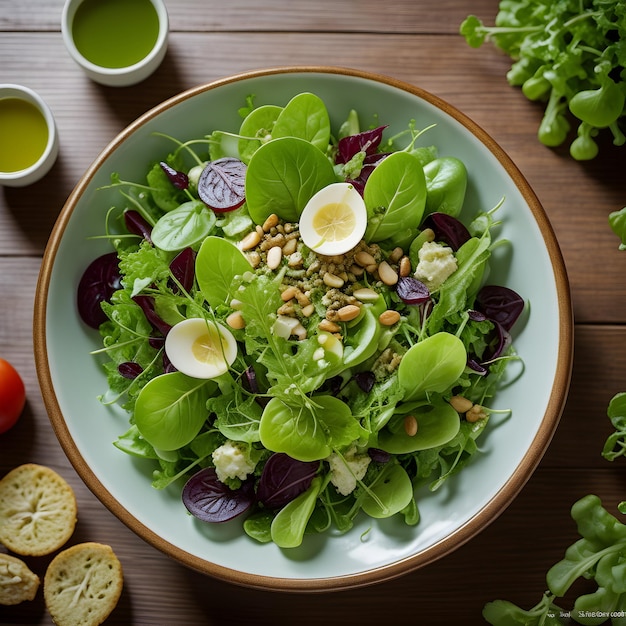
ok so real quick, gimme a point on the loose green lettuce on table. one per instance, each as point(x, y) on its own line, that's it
point(598, 556)
point(570, 55)
point(301, 428)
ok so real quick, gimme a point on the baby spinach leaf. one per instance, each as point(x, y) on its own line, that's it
point(184, 226)
point(283, 175)
point(171, 409)
point(431, 365)
point(395, 197)
point(437, 424)
point(361, 340)
point(390, 492)
point(217, 264)
point(307, 432)
point(256, 129)
point(446, 182)
point(288, 527)
point(305, 116)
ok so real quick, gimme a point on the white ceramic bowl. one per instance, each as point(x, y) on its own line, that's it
point(42, 166)
point(122, 76)
point(71, 378)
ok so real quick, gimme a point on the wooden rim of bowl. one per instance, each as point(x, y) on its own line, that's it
point(464, 533)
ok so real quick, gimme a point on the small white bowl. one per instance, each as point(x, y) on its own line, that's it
point(120, 76)
point(31, 174)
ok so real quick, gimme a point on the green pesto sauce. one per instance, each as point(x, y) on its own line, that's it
point(115, 33)
point(23, 134)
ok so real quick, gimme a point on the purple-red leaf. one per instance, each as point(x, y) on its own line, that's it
point(137, 225)
point(365, 380)
point(283, 479)
point(378, 456)
point(183, 269)
point(147, 306)
point(180, 180)
point(447, 229)
point(210, 500)
point(477, 367)
point(97, 284)
point(130, 369)
point(367, 141)
point(412, 291)
point(500, 341)
point(500, 304)
point(222, 184)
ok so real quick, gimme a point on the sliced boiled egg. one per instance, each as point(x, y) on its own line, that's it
point(200, 348)
point(334, 220)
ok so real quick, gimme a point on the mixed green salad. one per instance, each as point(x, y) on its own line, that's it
point(294, 388)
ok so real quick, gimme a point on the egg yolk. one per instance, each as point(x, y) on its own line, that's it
point(334, 221)
point(208, 348)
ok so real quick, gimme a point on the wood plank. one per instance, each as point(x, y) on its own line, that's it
point(406, 16)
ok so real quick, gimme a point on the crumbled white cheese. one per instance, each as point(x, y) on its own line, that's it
point(231, 461)
point(347, 468)
point(436, 263)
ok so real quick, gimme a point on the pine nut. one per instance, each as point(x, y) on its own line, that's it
point(274, 257)
point(396, 255)
point(236, 304)
point(389, 317)
point(259, 229)
point(333, 281)
point(372, 269)
point(428, 234)
point(308, 310)
point(461, 404)
point(302, 298)
point(251, 240)
point(329, 326)
point(357, 270)
point(270, 222)
point(290, 247)
point(286, 309)
point(410, 425)
point(405, 266)
point(364, 258)
point(476, 413)
point(235, 320)
point(387, 274)
point(289, 293)
point(365, 295)
point(348, 312)
point(295, 259)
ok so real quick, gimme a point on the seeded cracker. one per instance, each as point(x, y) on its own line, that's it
point(82, 585)
point(17, 582)
point(37, 510)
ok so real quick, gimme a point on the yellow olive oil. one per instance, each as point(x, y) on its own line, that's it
point(115, 33)
point(23, 134)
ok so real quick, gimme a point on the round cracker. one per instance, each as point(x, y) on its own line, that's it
point(17, 581)
point(83, 584)
point(37, 510)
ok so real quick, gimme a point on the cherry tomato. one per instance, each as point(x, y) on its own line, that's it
point(12, 395)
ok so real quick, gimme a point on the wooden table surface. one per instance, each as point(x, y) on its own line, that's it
point(414, 41)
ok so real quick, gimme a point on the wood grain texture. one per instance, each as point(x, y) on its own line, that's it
point(409, 40)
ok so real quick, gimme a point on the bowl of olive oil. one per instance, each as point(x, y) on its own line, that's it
point(116, 42)
point(28, 137)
